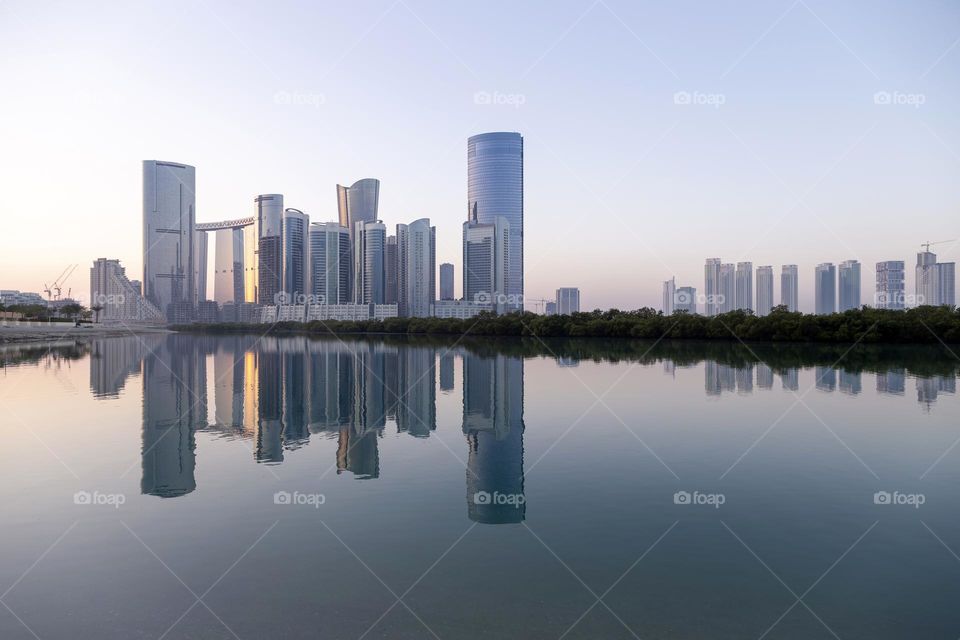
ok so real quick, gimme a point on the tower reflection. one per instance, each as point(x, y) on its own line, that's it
point(493, 424)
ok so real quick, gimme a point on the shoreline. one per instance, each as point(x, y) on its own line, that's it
point(57, 331)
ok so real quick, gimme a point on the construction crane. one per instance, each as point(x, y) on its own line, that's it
point(59, 282)
point(929, 244)
point(539, 303)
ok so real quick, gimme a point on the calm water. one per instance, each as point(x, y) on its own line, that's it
point(236, 487)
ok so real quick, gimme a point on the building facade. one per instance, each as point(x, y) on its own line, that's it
point(711, 286)
point(728, 287)
point(568, 300)
point(330, 264)
point(169, 219)
point(890, 289)
point(825, 280)
point(849, 285)
point(116, 297)
point(669, 293)
point(369, 243)
point(744, 285)
point(446, 281)
point(495, 189)
point(790, 287)
point(268, 220)
point(416, 268)
point(486, 250)
point(295, 274)
point(764, 290)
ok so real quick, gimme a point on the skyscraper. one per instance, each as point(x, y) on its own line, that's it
point(685, 300)
point(711, 286)
point(890, 285)
point(936, 281)
point(295, 224)
point(169, 220)
point(486, 261)
point(116, 296)
point(269, 223)
point(228, 268)
point(568, 300)
point(390, 270)
point(849, 287)
point(669, 293)
point(825, 279)
point(744, 285)
point(416, 268)
point(359, 202)
point(728, 287)
point(790, 287)
point(446, 281)
point(199, 266)
point(495, 189)
point(330, 264)
point(369, 242)
point(764, 290)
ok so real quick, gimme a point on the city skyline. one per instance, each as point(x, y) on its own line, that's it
point(754, 178)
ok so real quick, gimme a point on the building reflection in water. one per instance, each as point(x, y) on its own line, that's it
point(174, 405)
point(279, 392)
point(493, 424)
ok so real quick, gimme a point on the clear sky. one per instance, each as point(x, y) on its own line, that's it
point(656, 134)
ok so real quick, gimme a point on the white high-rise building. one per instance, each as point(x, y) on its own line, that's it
point(369, 242)
point(790, 287)
point(744, 286)
point(330, 263)
point(764, 290)
point(416, 268)
point(568, 300)
point(169, 221)
point(890, 285)
point(228, 267)
point(117, 298)
point(486, 250)
point(446, 281)
point(728, 287)
point(268, 222)
point(825, 279)
point(936, 281)
point(669, 292)
point(711, 286)
point(849, 285)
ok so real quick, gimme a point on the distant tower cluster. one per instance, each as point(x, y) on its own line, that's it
point(936, 282)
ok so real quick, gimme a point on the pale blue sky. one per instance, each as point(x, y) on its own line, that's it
point(624, 187)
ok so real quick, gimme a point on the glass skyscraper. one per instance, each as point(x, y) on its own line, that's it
point(495, 189)
point(825, 279)
point(269, 225)
point(849, 291)
point(790, 287)
point(169, 219)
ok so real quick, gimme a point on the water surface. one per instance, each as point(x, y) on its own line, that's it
point(258, 487)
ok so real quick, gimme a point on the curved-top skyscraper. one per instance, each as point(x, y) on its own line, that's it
point(495, 188)
point(169, 218)
point(358, 202)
